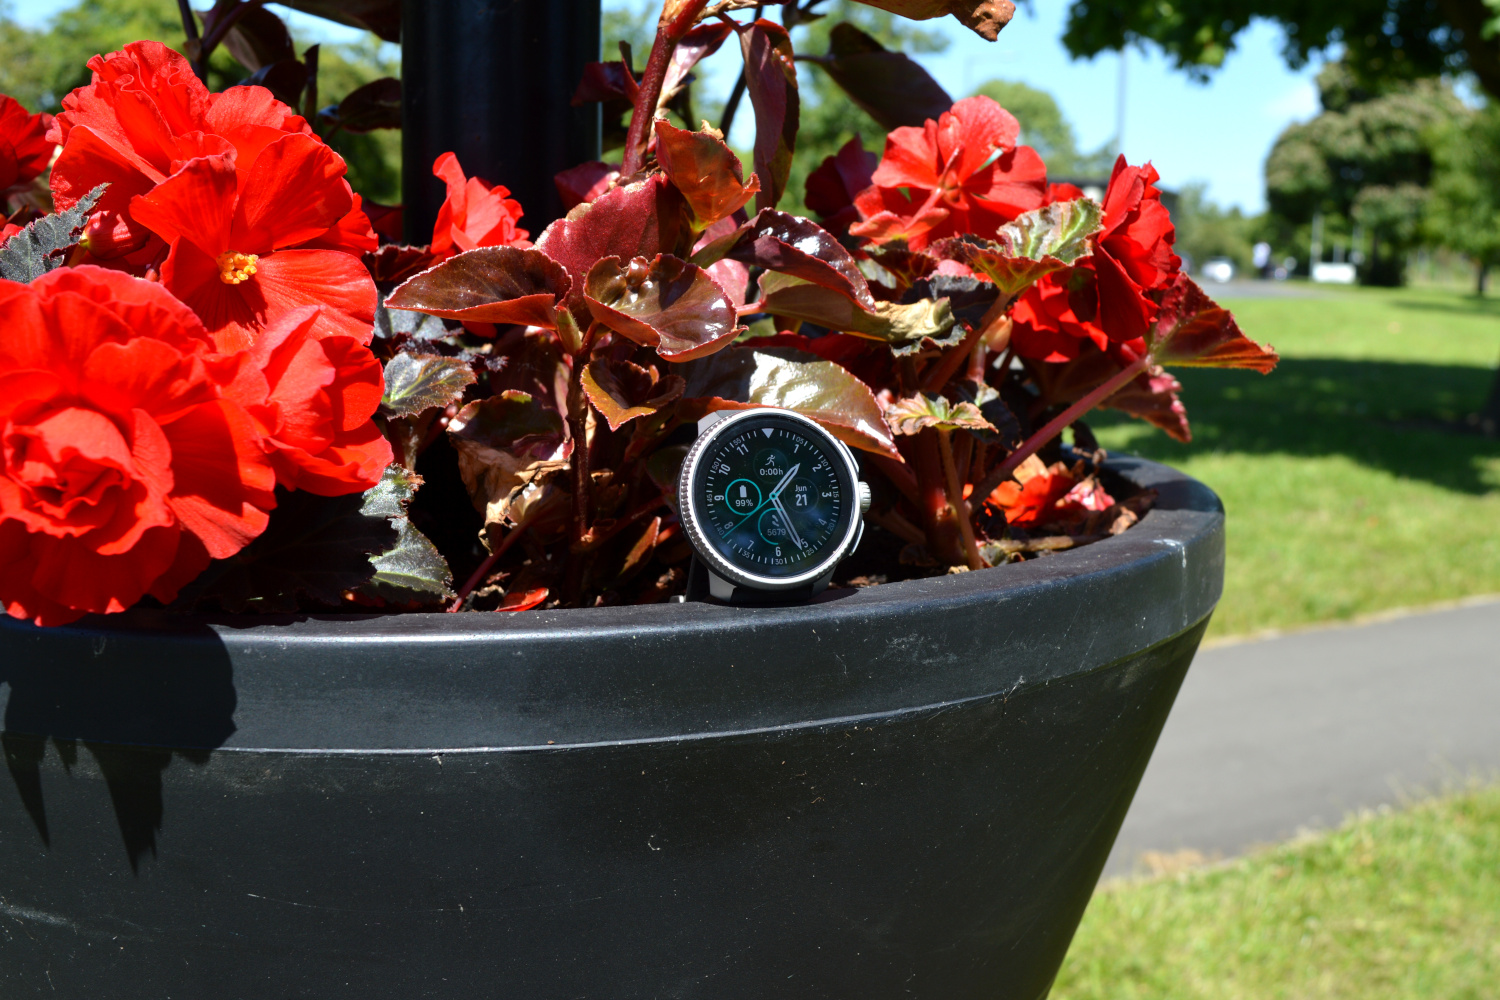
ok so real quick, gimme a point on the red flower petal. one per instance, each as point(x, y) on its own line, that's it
point(194, 204)
point(224, 480)
point(292, 193)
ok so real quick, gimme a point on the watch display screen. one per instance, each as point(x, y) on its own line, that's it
point(773, 497)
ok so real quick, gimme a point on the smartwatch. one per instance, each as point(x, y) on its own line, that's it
point(770, 502)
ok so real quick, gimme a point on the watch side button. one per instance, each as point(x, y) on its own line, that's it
point(864, 498)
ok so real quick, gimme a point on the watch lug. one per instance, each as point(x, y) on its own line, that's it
point(720, 587)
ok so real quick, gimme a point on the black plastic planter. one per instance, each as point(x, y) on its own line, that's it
point(906, 791)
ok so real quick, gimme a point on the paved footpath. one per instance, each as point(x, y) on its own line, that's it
point(1276, 735)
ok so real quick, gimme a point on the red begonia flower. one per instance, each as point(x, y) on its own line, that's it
point(123, 468)
point(24, 149)
point(314, 398)
point(7, 231)
point(144, 115)
point(1138, 231)
point(1055, 316)
point(239, 240)
point(832, 188)
point(961, 174)
point(474, 214)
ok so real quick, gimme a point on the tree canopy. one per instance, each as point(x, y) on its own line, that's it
point(1383, 40)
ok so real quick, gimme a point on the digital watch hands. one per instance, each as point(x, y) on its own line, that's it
point(756, 545)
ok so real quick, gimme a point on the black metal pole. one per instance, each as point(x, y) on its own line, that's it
point(493, 81)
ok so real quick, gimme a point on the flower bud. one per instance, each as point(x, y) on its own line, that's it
point(108, 235)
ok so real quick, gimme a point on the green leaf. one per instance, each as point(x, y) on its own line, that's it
point(906, 327)
point(665, 303)
point(43, 246)
point(744, 378)
point(917, 413)
point(315, 549)
point(389, 497)
point(1030, 248)
point(414, 383)
point(412, 570)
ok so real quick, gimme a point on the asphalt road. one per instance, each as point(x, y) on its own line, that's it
point(1294, 732)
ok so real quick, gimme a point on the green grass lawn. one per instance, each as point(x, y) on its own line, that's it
point(1344, 495)
point(1393, 906)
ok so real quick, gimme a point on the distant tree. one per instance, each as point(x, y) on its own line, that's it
point(38, 67)
point(1365, 161)
point(1381, 40)
point(1045, 128)
point(1463, 212)
point(1205, 229)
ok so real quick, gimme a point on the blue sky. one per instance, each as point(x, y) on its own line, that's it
point(1218, 133)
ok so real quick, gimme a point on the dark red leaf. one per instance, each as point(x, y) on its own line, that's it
point(665, 303)
point(622, 391)
point(285, 79)
point(375, 105)
point(1193, 330)
point(831, 188)
point(745, 378)
point(383, 17)
point(906, 327)
point(705, 170)
point(523, 600)
point(605, 83)
point(890, 87)
point(642, 219)
point(394, 262)
point(985, 17)
point(771, 83)
point(488, 285)
point(585, 182)
point(258, 39)
point(698, 44)
point(796, 246)
point(1153, 396)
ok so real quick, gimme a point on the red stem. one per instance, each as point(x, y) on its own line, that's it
point(677, 19)
point(1055, 426)
point(485, 567)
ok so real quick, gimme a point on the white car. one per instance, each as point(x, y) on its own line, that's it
point(1220, 269)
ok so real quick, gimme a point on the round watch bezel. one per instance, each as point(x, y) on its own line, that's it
point(715, 560)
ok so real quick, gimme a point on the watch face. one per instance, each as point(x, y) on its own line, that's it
point(773, 496)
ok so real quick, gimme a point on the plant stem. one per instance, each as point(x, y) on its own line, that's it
point(190, 30)
point(732, 105)
point(310, 95)
point(900, 476)
point(1055, 426)
point(484, 568)
point(578, 424)
point(221, 28)
point(956, 501)
point(677, 19)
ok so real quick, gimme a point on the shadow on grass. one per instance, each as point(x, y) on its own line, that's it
point(1383, 414)
point(1469, 305)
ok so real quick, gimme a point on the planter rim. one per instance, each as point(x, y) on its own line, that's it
point(553, 679)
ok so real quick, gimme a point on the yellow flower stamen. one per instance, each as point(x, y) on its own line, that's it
point(235, 267)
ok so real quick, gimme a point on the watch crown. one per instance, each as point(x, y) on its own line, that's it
point(864, 498)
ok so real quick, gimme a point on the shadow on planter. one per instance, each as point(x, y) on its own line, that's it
point(138, 713)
